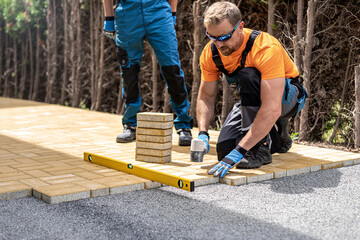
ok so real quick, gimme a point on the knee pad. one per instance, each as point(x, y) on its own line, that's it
point(131, 83)
point(122, 55)
point(249, 82)
point(175, 83)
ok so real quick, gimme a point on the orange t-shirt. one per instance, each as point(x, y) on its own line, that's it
point(267, 55)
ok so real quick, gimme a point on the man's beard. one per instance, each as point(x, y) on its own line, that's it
point(226, 51)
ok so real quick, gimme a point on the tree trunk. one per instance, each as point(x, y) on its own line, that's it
point(311, 18)
point(73, 50)
point(298, 50)
point(271, 16)
point(31, 60)
point(2, 75)
point(92, 53)
point(77, 85)
point(101, 69)
point(226, 99)
point(16, 76)
point(7, 67)
point(24, 46)
point(195, 60)
point(299, 36)
point(97, 35)
point(154, 79)
point(357, 107)
point(343, 96)
point(66, 51)
point(37, 62)
point(167, 107)
point(51, 50)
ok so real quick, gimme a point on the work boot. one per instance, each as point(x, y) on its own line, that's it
point(285, 139)
point(185, 137)
point(256, 157)
point(128, 135)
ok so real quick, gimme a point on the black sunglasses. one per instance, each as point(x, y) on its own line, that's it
point(225, 37)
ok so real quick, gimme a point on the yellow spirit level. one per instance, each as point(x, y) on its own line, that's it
point(165, 178)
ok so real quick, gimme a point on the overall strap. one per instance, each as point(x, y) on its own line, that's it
point(248, 47)
point(217, 60)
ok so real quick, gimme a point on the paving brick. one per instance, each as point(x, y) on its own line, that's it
point(33, 182)
point(152, 184)
point(154, 132)
point(331, 165)
point(67, 171)
point(57, 177)
point(18, 176)
point(154, 125)
point(155, 117)
point(156, 139)
point(28, 167)
point(153, 159)
point(233, 179)
point(96, 189)
point(157, 146)
point(37, 173)
point(65, 180)
point(61, 193)
point(153, 152)
point(7, 169)
point(201, 179)
point(14, 190)
point(278, 172)
point(128, 187)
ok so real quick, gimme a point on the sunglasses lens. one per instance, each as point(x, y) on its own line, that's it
point(224, 38)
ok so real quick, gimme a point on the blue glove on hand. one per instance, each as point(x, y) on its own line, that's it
point(205, 137)
point(228, 162)
point(109, 27)
point(174, 17)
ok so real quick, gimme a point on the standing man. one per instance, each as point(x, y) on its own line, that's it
point(267, 80)
point(133, 21)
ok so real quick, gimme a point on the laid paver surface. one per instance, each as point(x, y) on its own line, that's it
point(42, 146)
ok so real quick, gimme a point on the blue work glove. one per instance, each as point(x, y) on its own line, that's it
point(109, 27)
point(228, 162)
point(174, 17)
point(205, 137)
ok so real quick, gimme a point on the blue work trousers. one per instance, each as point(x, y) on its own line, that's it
point(136, 20)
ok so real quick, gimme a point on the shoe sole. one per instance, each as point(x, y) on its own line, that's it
point(124, 140)
point(185, 143)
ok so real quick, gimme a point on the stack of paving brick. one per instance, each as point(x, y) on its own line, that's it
point(153, 137)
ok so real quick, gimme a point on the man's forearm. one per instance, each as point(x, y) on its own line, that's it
point(205, 113)
point(108, 8)
point(173, 5)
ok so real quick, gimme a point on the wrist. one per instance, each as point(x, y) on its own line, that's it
point(241, 150)
point(204, 133)
point(173, 13)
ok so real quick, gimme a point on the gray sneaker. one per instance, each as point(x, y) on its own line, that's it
point(128, 135)
point(185, 137)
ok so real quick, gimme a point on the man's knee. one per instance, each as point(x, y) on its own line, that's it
point(131, 82)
